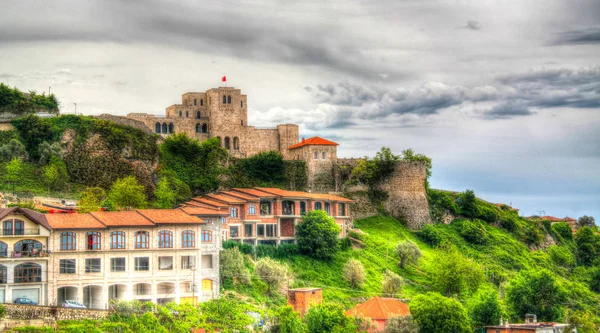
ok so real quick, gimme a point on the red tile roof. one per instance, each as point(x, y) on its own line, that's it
point(171, 216)
point(380, 308)
point(241, 195)
point(255, 192)
point(315, 140)
point(74, 221)
point(225, 198)
point(122, 219)
point(205, 201)
point(202, 211)
point(285, 193)
point(551, 219)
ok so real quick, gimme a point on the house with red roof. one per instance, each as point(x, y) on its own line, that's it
point(379, 310)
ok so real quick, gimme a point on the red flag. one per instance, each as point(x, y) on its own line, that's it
point(224, 79)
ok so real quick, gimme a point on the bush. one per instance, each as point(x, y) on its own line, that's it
point(533, 235)
point(242, 247)
point(473, 232)
point(536, 291)
point(594, 281)
point(401, 324)
point(564, 230)
point(431, 235)
point(467, 203)
point(586, 221)
point(453, 274)
point(485, 308)
point(272, 273)
point(408, 252)
point(354, 273)
point(317, 235)
point(561, 256)
point(345, 244)
point(2, 311)
point(231, 266)
point(509, 223)
point(392, 284)
point(435, 313)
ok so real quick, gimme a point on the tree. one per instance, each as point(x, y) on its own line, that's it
point(272, 273)
point(581, 321)
point(536, 291)
point(288, 321)
point(564, 230)
point(48, 150)
point(179, 188)
point(588, 245)
point(317, 235)
point(408, 252)
point(467, 204)
point(165, 196)
point(354, 273)
point(586, 221)
point(127, 194)
point(401, 324)
point(14, 168)
point(435, 313)
point(55, 173)
point(326, 318)
point(595, 280)
point(226, 314)
point(451, 273)
point(33, 130)
point(263, 169)
point(485, 308)
point(231, 266)
point(392, 284)
point(91, 199)
point(13, 149)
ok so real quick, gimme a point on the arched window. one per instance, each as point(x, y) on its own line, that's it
point(187, 114)
point(180, 114)
point(27, 246)
point(197, 114)
point(28, 272)
point(323, 155)
point(165, 128)
point(201, 102)
point(206, 236)
point(228, 99)
point(242, 122)
point(224, 99)
point(316, 155)
point(241, 104)
point(68, 241)
point(141, 240)
point(198, 128)
point(227, 142)
point(236, 143)
point(165, 239)
point(117, 240)
point(204, 128)
point(195, 101)
point(157, 128)
point(188, 238)
point(3, 250)
point(94, 240)
point(171, 128)
point(3, 274)
point(318, 206)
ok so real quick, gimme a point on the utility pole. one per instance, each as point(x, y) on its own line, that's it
point(49, 90)
point(75, 108)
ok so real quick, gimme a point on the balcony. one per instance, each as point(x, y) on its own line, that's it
point(20, 232)
point(24, 254)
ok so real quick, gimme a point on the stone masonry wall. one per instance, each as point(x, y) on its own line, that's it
point(127, 122)
point(24, 312)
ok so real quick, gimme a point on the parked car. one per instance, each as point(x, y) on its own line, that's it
point(73, 304)
point(24, 300)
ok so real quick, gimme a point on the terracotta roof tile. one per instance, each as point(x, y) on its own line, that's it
point(285, 193)
point(206, 201)
point(74, 221)
point(380, 308)
point(122, 219)
point(241, 195)
point(225, 198)
point(255, 192)
point(204, 211)
point(315, 140)
point(175, 216)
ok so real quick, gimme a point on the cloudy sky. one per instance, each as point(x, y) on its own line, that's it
point(503, 95)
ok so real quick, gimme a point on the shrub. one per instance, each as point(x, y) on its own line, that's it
point(288, 321)
point(231, 266)
point(586, 221)
point(435, 313)
point(2, 311)
point(345, 244)
point(488, 214)
point(13, 149)
point(453, 274)
point(536, 291)
point(354, 273)
point(509, 223)
point(392, 284)
point(533, 235)
point(126, 193)
point(467, 203)
point(588, 245)
point(561, 256)
point(326, 318)
point(473, 232)
point(317, 235)
point(272, 273)
point(595, 280)
point(242, 247)
point(401, 324)
point(431, 235)
point(485, 308)
point(564, 230)
point(408, 252)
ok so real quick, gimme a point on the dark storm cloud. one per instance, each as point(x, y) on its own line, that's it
point(473, 25)
point(507, 110)
point(581, 36)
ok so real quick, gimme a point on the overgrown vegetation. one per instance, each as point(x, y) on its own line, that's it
point(12, 100)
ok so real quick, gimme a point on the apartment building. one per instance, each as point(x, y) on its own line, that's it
point(24, 260)
point(269, 215)
point(158, 255)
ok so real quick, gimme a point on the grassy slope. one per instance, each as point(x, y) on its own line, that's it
point(31, 180)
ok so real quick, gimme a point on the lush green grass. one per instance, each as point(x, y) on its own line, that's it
point(31, 182)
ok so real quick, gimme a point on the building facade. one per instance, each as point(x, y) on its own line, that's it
point(269, 216)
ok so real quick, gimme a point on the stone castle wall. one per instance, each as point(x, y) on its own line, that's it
point(135, 123)
point(319, 165)
point(24, 312)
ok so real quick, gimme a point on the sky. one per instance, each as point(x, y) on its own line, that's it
point(503, 95)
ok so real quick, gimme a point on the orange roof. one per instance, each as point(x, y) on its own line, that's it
point(255, 192)
point(241, 195)
point(206, 201)
point(225, 198)
point(380, 308)
point(160, 216)
point(285, 193)
point(329, 197)
point(550, 218)
point(569, 219)
point(204, 211)
point(122, 219)
point(315, 140)
point(74, 221)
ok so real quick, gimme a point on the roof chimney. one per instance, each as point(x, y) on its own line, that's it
point(303, 139)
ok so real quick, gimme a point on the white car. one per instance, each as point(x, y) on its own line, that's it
point(73, 304)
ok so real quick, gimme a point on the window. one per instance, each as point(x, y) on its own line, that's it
point(207, 261)
point(28, 272)
point(224, 99)
point(142, 264)
point(67, 266)
point(188, 262)
point(241, 104)
point(3, 250)
point(227, 142)
point(318, 206)
point(28, 246)
point(252, 209)
point(242, 122)
point(117, 240)
point(165, 263)
point(236, 143)
point(234, 231)
point(323, 155)
point(260, 230)
point(171, 127)
point(327, 208)
point(316, 155)
point(157, 128)
point(93, 265)
point(198, 128)
point(19, 227)
point(180, 113)
point(8, 227)
point(141, 240)
point(206, 236)
point(271, 230)
point(302, 207)
point(233, 212)
point(288, 207)
point(13, 227)
point(204, 128)
point(342, 209)
point(187, 114)
point(165, 239)
point(3, 274)
point(93, 240)
point(117, 264)
point(228, 99)
point(265, 208)
point(67, 241)
point(247, 230)
point(195, 101)
point(197, 114)
point(201, 102)
point(188, 238)
point(165, 129)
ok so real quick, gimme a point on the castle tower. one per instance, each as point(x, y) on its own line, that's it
point(320, 155)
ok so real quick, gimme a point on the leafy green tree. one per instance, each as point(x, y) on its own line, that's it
point(586, 221)
point(91, 199)
point(55, 174)
point(272, 273)
point(564, 230)
point(179, 188)
point(13, 149)
point(467, 203)
point(14, 169)
point(392, 283)
point(595, 280)
point(231, 266)
point(373, 171)
point(288, 321)
point(33, 130)
point(536, 291)
point(581, 321)
point(453, 274)
point(401, 324)
point(263, 169)
point(48, 150)
point(408, 252)
point(317, 235)
point(409, 155)
point(354, 273)
point(226, 314)
point(435, 313)
point(127, 194)
point(165, 196)
point(485, 308)
point(588, 245)
point(326, 318)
